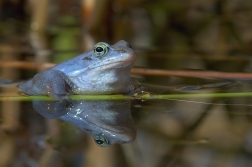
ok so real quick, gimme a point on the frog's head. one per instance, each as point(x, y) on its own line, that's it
point(106, 68)
point(105, 56)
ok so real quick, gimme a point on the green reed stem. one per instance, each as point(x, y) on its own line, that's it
point(123, 97)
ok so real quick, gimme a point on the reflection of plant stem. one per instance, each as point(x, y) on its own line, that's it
point(140, 96)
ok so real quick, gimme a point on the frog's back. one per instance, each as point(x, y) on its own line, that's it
point(74, 64)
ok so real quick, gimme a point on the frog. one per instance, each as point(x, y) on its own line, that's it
point(103, 70)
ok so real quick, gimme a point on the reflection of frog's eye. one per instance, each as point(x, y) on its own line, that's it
point(100, 49)
point(101, 141)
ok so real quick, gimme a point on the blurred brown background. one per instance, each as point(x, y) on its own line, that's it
point(207, 35)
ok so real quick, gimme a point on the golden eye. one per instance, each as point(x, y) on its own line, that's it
point(101, 141)
point(100, 49)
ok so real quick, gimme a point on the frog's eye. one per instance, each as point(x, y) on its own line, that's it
point(100, 49)
point(101, 141)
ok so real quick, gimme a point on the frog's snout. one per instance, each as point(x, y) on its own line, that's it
point(123, 44)
point(126, 51)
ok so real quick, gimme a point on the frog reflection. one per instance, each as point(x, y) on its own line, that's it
point(107, 121)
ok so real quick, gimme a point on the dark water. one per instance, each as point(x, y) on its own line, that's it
point(155, 132)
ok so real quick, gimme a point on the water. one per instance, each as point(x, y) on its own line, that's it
point(156, 132)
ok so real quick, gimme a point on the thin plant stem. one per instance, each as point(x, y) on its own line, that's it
point(144, 96)
point(142, 71)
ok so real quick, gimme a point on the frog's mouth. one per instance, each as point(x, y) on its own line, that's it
point(111, 65)
point(119, 64)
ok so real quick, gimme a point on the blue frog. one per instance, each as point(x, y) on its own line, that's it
point(103, 70)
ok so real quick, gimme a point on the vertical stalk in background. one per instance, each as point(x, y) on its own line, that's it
point(37, 32)
point(39, 41)
point(95, 27)
point(10, 111)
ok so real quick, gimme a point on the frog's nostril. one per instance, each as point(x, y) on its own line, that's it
point(129, 45)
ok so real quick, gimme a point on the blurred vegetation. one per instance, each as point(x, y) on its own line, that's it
point(200, 35)
point(211, 29)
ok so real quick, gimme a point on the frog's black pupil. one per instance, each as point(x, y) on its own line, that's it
point(99, 141)
point(99, 49)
